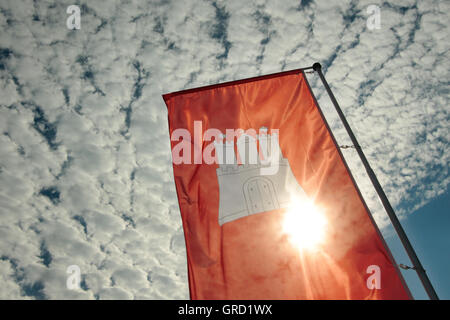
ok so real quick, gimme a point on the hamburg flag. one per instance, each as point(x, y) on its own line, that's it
point(269, 207)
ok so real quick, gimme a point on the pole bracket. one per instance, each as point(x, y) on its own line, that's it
point(348, 146)
point(405, 267)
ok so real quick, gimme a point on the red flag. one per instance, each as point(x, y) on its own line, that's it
point(286, 222)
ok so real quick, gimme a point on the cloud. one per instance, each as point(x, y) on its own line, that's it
point(85, 171)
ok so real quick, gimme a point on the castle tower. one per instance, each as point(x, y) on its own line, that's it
point(243, 191)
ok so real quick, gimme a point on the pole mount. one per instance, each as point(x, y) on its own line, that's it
point(317, 66)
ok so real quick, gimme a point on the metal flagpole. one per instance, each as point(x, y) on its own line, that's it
point(390, 211)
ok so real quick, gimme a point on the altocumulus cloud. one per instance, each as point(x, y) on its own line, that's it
point(85, 171)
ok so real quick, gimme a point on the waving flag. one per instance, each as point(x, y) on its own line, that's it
point(268, 205)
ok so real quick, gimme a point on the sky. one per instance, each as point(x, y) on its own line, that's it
point(85, 168)
point(427, 229)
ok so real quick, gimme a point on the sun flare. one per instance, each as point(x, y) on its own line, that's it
point(305, 224)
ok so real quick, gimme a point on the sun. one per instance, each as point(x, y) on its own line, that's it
point(305, 224)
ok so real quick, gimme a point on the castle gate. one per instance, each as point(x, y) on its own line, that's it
point(260, 195)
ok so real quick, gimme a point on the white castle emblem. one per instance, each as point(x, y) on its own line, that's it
point(243, 191)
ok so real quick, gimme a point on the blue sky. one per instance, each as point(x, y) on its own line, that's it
point(427, 230)
point(85, 164)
